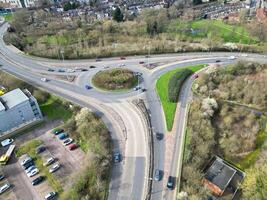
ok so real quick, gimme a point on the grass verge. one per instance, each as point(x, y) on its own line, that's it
point(169, 108)
point(54, 108)
point(29, 148)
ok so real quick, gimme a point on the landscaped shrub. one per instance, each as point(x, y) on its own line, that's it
point(175, 84)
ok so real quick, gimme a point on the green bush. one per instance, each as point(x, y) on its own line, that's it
point(175, 84)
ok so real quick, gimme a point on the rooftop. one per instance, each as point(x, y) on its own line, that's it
point(2, 107)
point(220, 174)
point(12, 99)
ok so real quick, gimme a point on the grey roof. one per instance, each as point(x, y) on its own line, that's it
point(13, 98)
point(2, 107)
point(220, 174)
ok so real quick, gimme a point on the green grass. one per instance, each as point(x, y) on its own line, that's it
point(54, 109)
point(251, 158)
point(214, 29)
point(115, 80)
point(169, 108)
point(8, 17)
point(29, 148)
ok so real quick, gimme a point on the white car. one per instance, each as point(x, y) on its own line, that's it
point(49, 161)
point(232, 58)
point(44, 79)
point(54, 168)
point(67, 141)
point(5, 187)
point(30, 169)
point(50, 195)
point(33, 172)
point(26, 160)
point(7, 142)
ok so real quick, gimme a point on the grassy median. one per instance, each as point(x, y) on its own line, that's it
point(169, 107)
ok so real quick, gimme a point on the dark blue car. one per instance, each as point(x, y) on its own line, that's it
point(88, 87)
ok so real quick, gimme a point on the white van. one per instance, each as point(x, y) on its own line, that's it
point(7, 142)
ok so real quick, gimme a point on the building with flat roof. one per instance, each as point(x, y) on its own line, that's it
point(17, 109)
point(222, 178)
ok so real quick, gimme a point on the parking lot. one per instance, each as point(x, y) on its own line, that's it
point(70, 164)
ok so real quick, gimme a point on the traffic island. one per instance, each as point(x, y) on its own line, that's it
point(115, 80)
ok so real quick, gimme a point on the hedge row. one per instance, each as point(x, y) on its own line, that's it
point(175, 83)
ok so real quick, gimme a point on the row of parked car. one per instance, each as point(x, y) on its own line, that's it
point(30, 169)
point(5, 186)
point(67, 141)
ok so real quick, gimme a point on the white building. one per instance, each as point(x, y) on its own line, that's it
point(12, 3)
point(17, 109)
point(20, 3)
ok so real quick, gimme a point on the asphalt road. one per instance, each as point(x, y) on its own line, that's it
point(129, 178)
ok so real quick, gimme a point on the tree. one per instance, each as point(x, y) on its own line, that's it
point(117, 15)
point(255, 183)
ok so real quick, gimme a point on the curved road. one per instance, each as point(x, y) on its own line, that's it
point(129, 134)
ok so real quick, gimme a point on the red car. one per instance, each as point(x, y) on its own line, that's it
point(123, 58)
point(73, 146)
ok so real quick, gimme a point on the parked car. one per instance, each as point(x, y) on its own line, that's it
point(84, 70)
point(7, 142)
point(51, 70)
point(122, 58)
point(61, 70)
point(50, 196)
point(159, 136)
point(54, 168)
point(62, 136)
point(196, 76)
point(92, 67)
point(143, 90)
point(116, 157)
point(30, 169)
point(217, 61)
point(73, 146)
point(67, 141)
point(171, 182)
point(141, 62)
point(33, 172)
point(27, 165)
point(88, 87)
point(158, 174)
point(49, 161)
point(40, 149)
point(37, 180)
point(98, 60)
point(26, 160)
point(58, 131)
point(4, 188)
point(2, 176)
